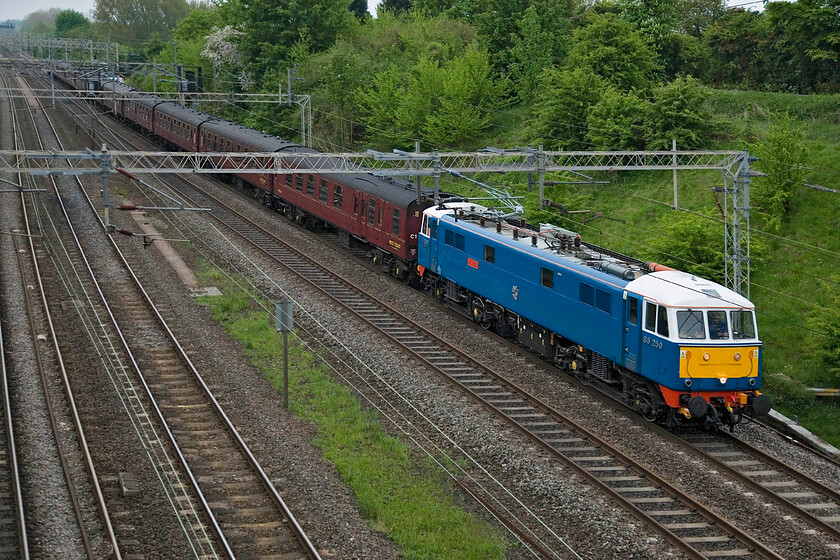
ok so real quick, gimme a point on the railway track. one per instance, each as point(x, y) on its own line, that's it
point(242, 512)
point(694, 529)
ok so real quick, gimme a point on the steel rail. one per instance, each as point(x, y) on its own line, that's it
point(80, 434)
point(14, 468)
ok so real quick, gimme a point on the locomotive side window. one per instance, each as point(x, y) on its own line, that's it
point(322, 191)
point(459, 241)
point(547, 278)
point(662, 321)
point(338, 196)
point(395, 222)
point(718, 328)
point(587, 294)
point(633, 310)
point(372, 212)
point(449, 237)
point(489, 254)
point(742, 324)
point(690, 324)
point(310, 185)
point(650, 316)
point(603, 301)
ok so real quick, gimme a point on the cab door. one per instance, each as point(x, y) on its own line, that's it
point(433, 245)
point(632, 332)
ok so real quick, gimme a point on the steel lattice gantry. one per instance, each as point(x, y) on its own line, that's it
point(733, 165)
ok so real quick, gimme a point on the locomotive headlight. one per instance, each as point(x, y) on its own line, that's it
point(737, 356)
point(722, 380)
point(706, 357)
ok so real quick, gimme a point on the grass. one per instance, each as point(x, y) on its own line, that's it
point(407, 498)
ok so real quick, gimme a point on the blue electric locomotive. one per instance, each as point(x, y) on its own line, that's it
point(677, 347)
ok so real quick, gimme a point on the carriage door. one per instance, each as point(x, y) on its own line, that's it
point(632, 332)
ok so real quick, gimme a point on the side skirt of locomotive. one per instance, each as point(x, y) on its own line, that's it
point(640, 393)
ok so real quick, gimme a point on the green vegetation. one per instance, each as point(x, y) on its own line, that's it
point(407, 498)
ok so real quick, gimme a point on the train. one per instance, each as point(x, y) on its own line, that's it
point(677, 348)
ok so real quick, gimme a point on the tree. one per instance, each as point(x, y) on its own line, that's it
point(68, 21)
point(782, 157)
point(617, 121)
point(543, 40)
point(611, 48)
point(40, 22)
point(679, 113)
point(824, 332)
point(272, 29)
point(562, 107)
point(359, 9)
point(396, 7)
point(140, 19)
point(737, 44)
point(690, 242)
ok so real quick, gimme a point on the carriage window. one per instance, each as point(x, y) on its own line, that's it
point(587, 294)
point(310, 185)
point(489, 254)
point(395, 222)
point(299, 182)
point(546, 278)
point(379, 221)
point(650, 316)
point(662, 321)
point(372, 212)
point(718, 328)
point(633, 310)
point(338, 196)
point(289, 179)
point(603, 301)
point(742, 324)
point(459, 241)
point(690, 324)
point(322, 191)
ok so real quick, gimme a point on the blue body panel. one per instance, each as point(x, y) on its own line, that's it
point(600, 324)
point(514, 281)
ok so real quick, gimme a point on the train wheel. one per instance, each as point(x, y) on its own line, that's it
point(645, 404)
point(481, 314)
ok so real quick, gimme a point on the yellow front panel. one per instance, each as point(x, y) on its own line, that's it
point(721, 362)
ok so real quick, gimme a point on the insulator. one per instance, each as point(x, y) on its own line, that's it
point(126, 173)
point(498, 227)
point(127, 232)
point(127, 207)
point(534, 240)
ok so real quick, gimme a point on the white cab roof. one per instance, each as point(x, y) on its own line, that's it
point(674, 288)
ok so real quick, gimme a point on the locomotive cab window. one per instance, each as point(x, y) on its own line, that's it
point(547, 277)
point(743, 325)
point(662, 321)
point(690, 324)
point(650, 316)
point(718, 327)
point(490, 254)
